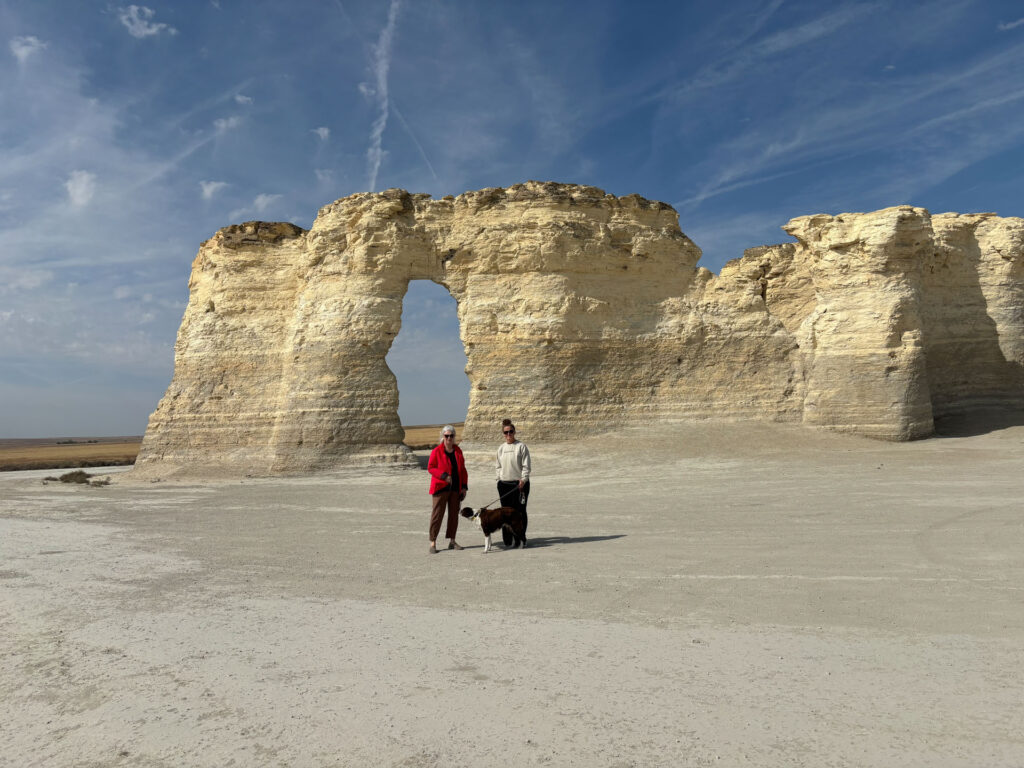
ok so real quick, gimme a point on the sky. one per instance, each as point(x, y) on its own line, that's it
point(131, 133)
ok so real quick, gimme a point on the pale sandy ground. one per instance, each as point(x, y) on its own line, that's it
point(728, 595)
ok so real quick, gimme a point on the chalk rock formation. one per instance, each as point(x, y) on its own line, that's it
point(901, 317)
point(579, 310)
point(972, 298)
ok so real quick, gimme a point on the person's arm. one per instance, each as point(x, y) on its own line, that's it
point(497, 464)
point(433, 466)
point(463, 474)
point(524, 461)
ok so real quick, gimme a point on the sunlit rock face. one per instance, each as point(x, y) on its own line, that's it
point(580, 311)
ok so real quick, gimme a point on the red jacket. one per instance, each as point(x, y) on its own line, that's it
point(438, 465)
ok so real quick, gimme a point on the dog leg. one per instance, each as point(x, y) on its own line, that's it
point(487, 543)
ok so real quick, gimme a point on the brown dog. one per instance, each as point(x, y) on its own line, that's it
point(502, 518)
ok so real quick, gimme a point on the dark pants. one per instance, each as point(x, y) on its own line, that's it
point(509, 493)
point(449, 499)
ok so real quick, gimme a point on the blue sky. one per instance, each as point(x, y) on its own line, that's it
point(130, 133)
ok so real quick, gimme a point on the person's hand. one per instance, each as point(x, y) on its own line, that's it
point(462, 495)
point(444, 476)
point(521, 484)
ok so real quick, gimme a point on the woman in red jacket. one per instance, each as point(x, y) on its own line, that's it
point(449, 482)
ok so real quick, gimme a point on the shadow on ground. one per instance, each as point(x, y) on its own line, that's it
point(546, 541)
point(977, 423)
point(554, 541)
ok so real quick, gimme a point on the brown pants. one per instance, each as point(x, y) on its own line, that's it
point(449, 499)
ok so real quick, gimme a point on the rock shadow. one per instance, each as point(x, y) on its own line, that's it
point(974, 423)
point(974, 389)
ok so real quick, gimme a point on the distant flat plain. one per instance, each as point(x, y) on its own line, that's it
point(64, 452)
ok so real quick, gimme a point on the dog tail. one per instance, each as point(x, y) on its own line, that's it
point(507, 537)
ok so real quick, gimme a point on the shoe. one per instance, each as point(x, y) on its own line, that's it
point(433, 549)
point(453, 545)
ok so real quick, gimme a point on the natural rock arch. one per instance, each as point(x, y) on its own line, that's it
point(280, 360)
point(428, 358)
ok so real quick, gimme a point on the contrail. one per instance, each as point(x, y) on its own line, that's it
point(381, 64)
point(408, 129)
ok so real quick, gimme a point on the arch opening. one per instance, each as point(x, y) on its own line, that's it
point(428, 359)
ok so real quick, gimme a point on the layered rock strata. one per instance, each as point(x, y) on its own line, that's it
point(598, 303)
point(901, 317)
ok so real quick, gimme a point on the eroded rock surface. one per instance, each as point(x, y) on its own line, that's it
point(578, 311)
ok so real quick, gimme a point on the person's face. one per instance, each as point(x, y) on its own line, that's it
point(448, 439)
point(510, 434)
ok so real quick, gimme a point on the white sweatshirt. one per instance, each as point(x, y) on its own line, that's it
point(512, 463)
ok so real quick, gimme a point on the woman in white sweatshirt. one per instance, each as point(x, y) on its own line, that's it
point(512, 465)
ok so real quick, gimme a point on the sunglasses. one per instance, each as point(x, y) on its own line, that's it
point(508, 431)
point(447, 436)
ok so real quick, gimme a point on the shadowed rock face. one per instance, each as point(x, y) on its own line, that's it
point(579, 311)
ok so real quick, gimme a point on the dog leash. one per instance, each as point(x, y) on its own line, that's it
point(511, 490)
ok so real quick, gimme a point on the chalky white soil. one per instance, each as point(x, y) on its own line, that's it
point(705, 594)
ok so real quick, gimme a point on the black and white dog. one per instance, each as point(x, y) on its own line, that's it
point(502, 518)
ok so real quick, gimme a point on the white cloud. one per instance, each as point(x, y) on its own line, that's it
point(211, 188)
point(241, 98)
point(323, 132)
point(259, 204)
point(1011, 25)
point(18, 279)
point(262, 202)
point(136, 18)
point(224, 124)
point(81, 186)
point(23, 47)
point(381, 65)
point(367, 90)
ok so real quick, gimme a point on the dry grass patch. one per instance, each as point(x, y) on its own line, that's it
point(423, 436)
point(68, 453)
point(41, 454)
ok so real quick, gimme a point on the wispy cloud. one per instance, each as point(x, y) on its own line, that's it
point(1003, 27)
point(137, 20)
point(225, 124)
point(381, 64)
point(241, 98)
point(262, 202)
point(81, 186)
point(211, 188)
point(259, 205)
point(553, 120)
point(741, 60)
point(323, 132)
point(14, 279)
point(723, 237)
point(923, 115)
point(24, 47)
